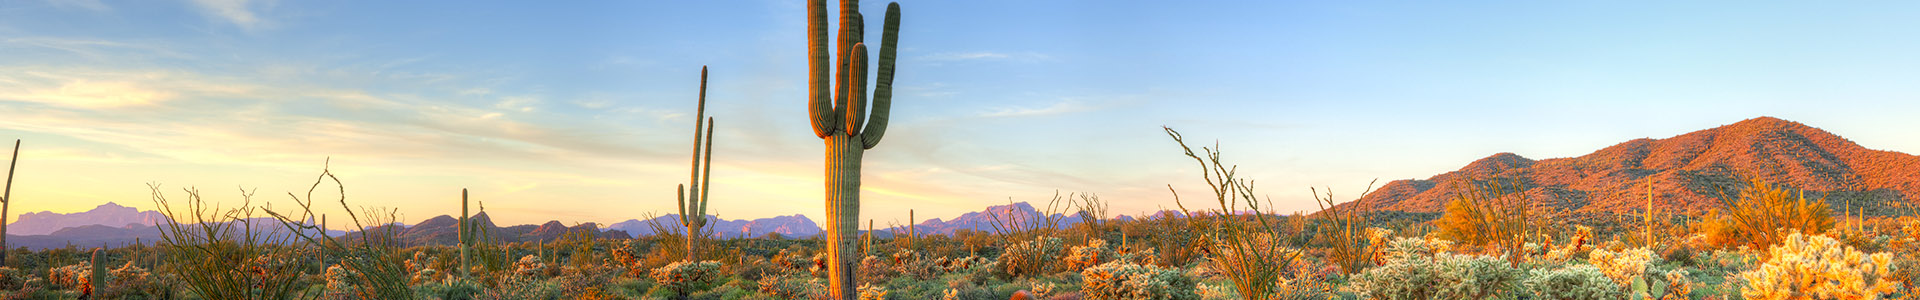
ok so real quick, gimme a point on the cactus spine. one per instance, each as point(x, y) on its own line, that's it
point(837, 105)
point(465, 233)
point(6, 199)
point(693, 200)
point(97, 278)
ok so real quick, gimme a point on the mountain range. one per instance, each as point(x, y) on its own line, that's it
point(1681, 172)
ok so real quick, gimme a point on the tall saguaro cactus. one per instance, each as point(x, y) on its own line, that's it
point(693, 200)
point(466, 236)
point(839, 115)
point(6, 199)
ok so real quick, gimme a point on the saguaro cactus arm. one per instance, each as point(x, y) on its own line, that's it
point(819, 93)
point(883, 87)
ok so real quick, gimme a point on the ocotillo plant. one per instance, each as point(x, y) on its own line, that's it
point(693, 200)
point(839, 116)
point(6, 199)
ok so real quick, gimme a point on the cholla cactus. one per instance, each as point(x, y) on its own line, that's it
point(1041, 289)
point(1622, 267)
point(1094, 253)
point(682, 277)
point(338, 278)
point(1818, 267)
point(15, 280)
point(873, 292)
point(1415, 270)
point(874, 269)
point(1122, 280)
point(72, 277)
point(793, 287)
point(1030, 258)
point(1578, 282)
point(529, 266)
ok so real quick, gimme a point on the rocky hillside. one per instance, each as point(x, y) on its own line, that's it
point(1681, 171)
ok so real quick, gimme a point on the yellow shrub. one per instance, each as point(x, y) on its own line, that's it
point(1819, 267)
point(1762, 214)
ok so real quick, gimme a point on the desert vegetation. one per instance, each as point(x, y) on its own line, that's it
point(1764, 242)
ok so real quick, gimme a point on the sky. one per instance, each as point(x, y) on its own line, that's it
point(583, 111)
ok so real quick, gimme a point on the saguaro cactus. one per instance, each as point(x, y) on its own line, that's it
point(466, 238)
point(97, 278)
point(839, 115)
point(693, 200)
point(6, 199)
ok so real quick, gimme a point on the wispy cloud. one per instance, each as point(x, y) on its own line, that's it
point(985, 56)
point(238, 12)
point(93, 5)
point(1059, 107)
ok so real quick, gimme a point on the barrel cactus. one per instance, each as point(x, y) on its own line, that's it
point(837, 105)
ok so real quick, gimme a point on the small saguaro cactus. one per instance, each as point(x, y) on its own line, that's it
point(839, 116)
point(6, 199)
point(97, 279)
point(693, 199)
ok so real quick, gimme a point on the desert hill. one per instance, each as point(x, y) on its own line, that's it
point(1682, 170)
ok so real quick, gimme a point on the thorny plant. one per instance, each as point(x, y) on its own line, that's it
point(1247, 252)
point(377, 265)
point(1492, 212)
point(221, 255)
point(1346, 232)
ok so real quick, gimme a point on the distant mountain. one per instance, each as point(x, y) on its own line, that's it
point(792, 226)
point(1683, 169)
point(110, 215)
point(445, 230)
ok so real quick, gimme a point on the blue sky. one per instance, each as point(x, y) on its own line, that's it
point(582, 111)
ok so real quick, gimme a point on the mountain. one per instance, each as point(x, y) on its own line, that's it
point(110, 215)
point(795, 226)
point(445, 230)
point(1683, 170)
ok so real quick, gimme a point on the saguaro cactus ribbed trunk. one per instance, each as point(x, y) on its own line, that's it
point(693, 200)
point(839, 115)
point(466, 237)
point(6, 199)
point(97, 277)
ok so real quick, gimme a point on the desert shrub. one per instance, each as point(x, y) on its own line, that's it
point(1414, 271)
point(1762, 214)
point(1246, 248)
point(874, 269)
point(1624, 266)
point(133, 282)
point(1577, 282)
point(70, 277)
point(752, 267)
point(1815, 266)
point(1491, 213)
point(1122, 280)
point(793, 286)
point(685, 277)
point(1347, 232)
point(1030, 258)
point(873, 292)
point(447, 290)
point(911, 264)
point(205, 247)
point(1082, 257)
